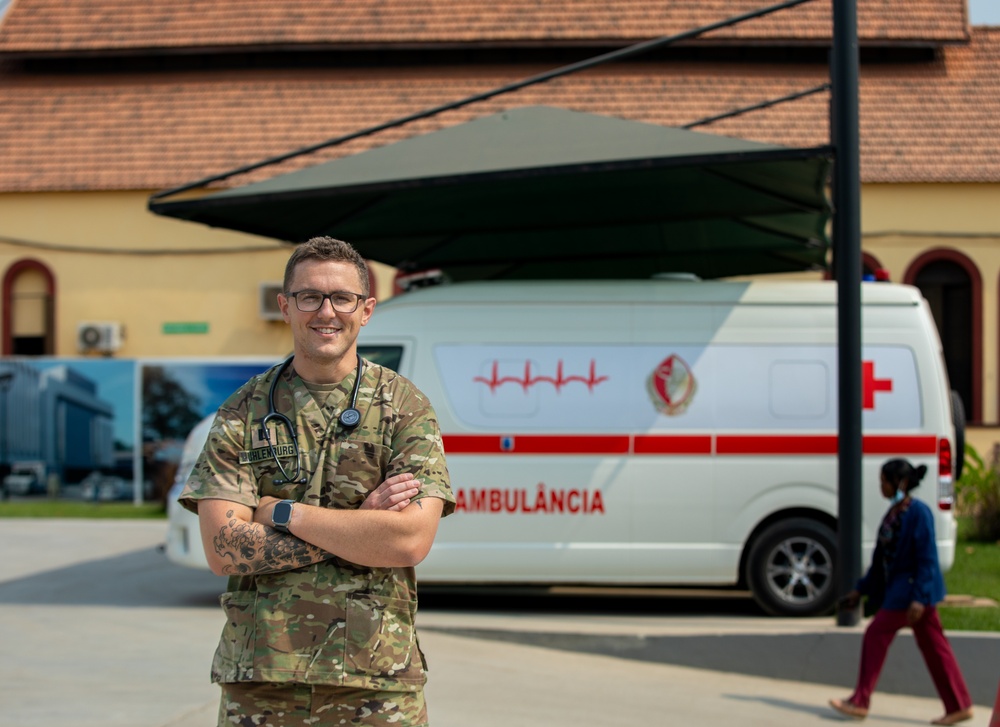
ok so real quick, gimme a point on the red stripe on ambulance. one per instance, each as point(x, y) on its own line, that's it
point(681, 444)
point(888, 444)
point(537, 443)
point(672, 444)
point(768, 444)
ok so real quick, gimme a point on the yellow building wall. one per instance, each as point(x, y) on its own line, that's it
point(114, 261)
point(901, 222)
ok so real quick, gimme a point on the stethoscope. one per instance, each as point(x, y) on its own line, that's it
point(348, 419)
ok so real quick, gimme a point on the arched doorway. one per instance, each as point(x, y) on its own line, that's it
point(952, 285)
point(28, 309)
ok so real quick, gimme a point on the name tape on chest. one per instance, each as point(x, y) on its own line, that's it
point(256, 455)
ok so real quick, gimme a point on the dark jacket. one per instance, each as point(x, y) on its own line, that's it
point(914, 573)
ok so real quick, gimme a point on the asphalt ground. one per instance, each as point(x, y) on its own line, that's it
point(98, 628)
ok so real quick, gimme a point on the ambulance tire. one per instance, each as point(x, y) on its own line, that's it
point(791, 569)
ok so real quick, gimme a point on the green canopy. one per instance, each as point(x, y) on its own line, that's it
point(541, 192)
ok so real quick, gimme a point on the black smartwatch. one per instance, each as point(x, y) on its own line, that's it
point(281, 515)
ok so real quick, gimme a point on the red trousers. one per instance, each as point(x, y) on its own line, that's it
point(933, 645)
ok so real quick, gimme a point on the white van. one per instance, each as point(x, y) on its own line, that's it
point(183, 532)
point(664, 432)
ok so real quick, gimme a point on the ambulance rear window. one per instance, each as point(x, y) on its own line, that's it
point(388, 356)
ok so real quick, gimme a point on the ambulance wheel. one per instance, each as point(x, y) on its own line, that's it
point(790, 568)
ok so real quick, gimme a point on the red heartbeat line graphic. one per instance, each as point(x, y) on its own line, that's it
point(496, 381)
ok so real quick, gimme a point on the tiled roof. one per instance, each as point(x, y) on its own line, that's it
point(922, 122)
point(89, 25)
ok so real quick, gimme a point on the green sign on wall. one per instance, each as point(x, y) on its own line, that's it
point(185, 327)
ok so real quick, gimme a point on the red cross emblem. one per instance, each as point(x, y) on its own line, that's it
point(870, 385)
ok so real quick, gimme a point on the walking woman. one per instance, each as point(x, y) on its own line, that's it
point(904, 581)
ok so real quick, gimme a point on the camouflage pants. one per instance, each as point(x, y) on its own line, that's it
point(251, 704)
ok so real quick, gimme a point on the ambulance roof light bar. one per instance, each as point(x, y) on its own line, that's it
point(420, 279)
point(881, 275)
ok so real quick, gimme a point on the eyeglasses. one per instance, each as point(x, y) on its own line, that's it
point(309, 301)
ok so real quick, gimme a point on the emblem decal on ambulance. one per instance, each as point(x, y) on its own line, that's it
point(671, 385)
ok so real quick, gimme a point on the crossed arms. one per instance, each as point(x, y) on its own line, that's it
point(389, 530)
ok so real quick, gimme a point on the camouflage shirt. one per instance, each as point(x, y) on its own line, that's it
point(334, 622)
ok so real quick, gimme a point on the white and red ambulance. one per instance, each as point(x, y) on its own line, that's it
point(665, 432)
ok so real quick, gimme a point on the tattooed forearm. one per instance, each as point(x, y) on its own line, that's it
point(254, 549)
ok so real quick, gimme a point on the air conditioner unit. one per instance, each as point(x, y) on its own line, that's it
point(267, 301)
point(100, 336)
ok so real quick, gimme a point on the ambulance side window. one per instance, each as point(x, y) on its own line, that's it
point(383, 355)
point(800, 390)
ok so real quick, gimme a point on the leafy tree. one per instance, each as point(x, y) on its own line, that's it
point(978, 494)
point(169, 411)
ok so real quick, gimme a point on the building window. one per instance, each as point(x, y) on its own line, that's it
point(28, 310)
point(952, 285)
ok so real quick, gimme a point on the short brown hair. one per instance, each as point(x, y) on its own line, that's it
point(326, 248)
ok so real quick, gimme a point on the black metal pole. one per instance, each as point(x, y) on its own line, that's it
point(5, 381)
point(847, 259)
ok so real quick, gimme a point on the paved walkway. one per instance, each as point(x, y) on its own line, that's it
point(99, 629)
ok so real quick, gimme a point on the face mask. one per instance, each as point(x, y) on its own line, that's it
point(898, 497)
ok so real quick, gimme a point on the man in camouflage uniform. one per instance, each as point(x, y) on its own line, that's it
point(321, 601)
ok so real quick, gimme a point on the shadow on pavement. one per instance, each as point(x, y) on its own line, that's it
point(146, 579)
point(821, 711)
point(143, 578)
point(819, 657)
point(528, 600)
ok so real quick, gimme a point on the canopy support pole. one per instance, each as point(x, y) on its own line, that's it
point(847, 266)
